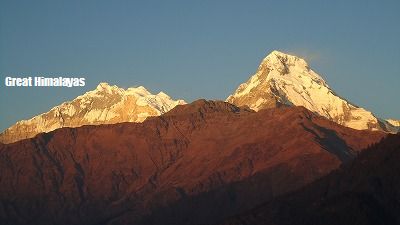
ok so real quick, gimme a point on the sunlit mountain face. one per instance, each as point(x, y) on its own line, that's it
point(283, 79)
point(198, 163)
point(105, 105)
point(126, 156)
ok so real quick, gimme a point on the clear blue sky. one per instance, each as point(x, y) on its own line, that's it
point(196, 49)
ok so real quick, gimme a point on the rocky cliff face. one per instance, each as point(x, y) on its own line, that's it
point(104, 105)
point(284, 79)
point(195, 164)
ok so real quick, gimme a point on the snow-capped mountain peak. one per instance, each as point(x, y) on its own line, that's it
point(287, 65)
point(105, 87)
point(284, 79)
point(280, 61)
point(106, 104)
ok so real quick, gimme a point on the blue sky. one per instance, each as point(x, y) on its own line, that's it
point(195, 49)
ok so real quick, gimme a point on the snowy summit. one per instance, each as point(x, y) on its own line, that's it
point(105, 105)
point(283, 79)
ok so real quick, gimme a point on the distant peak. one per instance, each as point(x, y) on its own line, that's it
point(162, 94)
point(281, 62)
point(104, 86)
point(141, 88)
point(279, 54)
point(142, 91)
point(276, 52)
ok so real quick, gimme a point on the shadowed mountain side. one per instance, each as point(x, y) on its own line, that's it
point(117, 174)
point(365, 191)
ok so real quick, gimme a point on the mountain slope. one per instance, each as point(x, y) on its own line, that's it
point(197, 163)
point(365, 192)
point(284, 79)
point(104, 105)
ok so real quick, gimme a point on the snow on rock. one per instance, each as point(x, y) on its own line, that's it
point(284, 79)
point(394, 122)
point(105, 105)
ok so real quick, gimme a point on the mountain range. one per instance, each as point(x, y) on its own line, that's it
point(281, 79)
point(197, 163)
point(284, 148)
point(104, 105)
